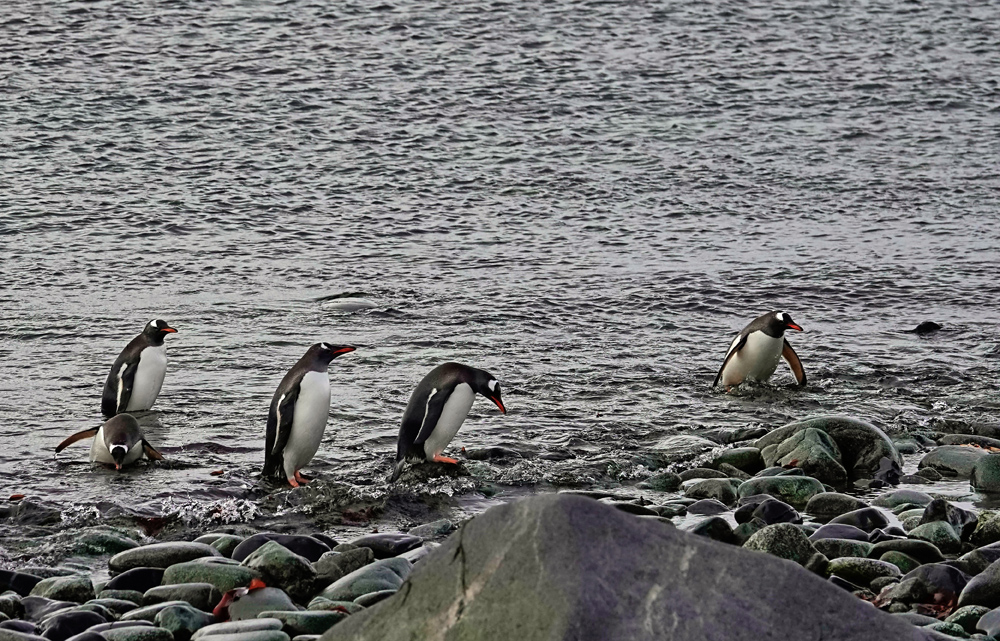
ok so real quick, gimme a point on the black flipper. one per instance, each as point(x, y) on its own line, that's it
point(279, 428)
point(111, 403)
point(150, 451)
point(79, 436)
point(732, 351)
point(793, 361)
point(435, 405)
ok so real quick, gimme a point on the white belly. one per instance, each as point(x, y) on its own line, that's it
point(311, 412)
point(456, 408)
point(756, 361)
point(99, 452)
point(148, 378)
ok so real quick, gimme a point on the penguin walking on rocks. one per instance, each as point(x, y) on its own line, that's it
point(437, 408)
point(756, 350)
point(137, 375)
point(118, 442)
point(298, 414)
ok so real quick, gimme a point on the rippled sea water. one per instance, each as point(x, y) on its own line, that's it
point(587, 199)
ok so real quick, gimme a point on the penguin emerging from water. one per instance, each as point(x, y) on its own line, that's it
point(118, 442)
point(755, 352)
point(137, 375)
point(298, 414)
point(437, 409)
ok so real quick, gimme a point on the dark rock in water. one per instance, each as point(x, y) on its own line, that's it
point(812, 451)
point(987, 530)
point(388, 544)
point(432, 530)
point(624, 506)
point(978, 560)
point(27, 627)
point(63, 625)
point(306, 546)
point(282, 568)
point(223, 577)
point(183, 620)
point(386, 574)
point(721, 490)
point(674, 449)
point(745, 459)
point(838, 548)
point(745, 512)
point(252, 604)
point(159, 555)
point(18, 582)
point(983, 589)
point(371, 599)
point(668, 510)
point(98, 543)
point(839, 531)
point(203, 596)
point(930, 474)
point(138, 579)
point(862, 445)
point(913, 479)
point(926, 327)
point(969, 439)
point(334, 565)
point(888, 471)
point(986, 474)
point(830, 504)
point(709, 507)
point(867, 519)
point(953, 460)
point(226, 544)
point(548, 543)
point(715, 528)
point(662, 482)
point(942, 510)
point(895, 498)
point(37, 608)
point(774, 511)
point(920, 550)
point(794, 490)
point(967, 617)
point(493, 452)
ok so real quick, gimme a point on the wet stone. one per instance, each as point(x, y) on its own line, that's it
point(951, 629)
point(149, 612)
point(987, 529)
point(838, 548)
point(223, 577)
point(904, 562)
point(62, 625)
point(19, 582)
point(979, 559)
point(37, 608)
point(839, 531)
point(432, 530)
point(138, 579)
point(138, 633)
point(252, 604)
point(745, 459)
point(707, 507)
point(733, 472)
point(98, 543)
point(967, 617)
point(953, 460)
point(160, 555)
point(224, 543)
point(117, 607)
point(319, 603)
point(254, 635)
point(662, 482)
point(942, 535)
point(388, 544)
point(308, 547)
point(701, 473)
point(182, 621)
point(862, 571)
point(983, 589)
point(830, 504)
point(942, 510)
point(75, 587)
point(715, 528)
point(368, 600)
point(334, 565)
point(280, 567)
point(387, 574)
point(308, 621)
point(122, 595)
point(866, 519)
point(794, 490)
point(901, 497)
point(238, 627)
point(784, 541)
point(203, 596)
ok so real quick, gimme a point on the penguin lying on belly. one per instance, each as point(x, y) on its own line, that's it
point(298, 413)
point(437, 409)
point(756, 350)
point(137, 375)
point(118, 442)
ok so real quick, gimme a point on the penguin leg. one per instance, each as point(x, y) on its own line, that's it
point(443, 459)
point(301, 479)
point(293, 482)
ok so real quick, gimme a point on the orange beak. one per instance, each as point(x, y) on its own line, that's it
point(499, 404)
point(794, 326)
point(118, 466)
point(345, 350)
point(169, 330)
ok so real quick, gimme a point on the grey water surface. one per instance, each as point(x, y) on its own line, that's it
point(586, 198)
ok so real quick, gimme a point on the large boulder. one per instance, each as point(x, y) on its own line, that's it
point(862, 445)
point(813, 452)
point(986, 474)
point(567, 567)
point(953, 460)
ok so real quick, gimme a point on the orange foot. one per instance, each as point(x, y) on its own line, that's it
point(301, 479)
point(293, 482)
point(443, 459)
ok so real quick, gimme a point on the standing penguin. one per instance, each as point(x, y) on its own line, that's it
point(137, 375)
point(118, 442)
point(755, 352)
point(436, 410)
point(298, 414)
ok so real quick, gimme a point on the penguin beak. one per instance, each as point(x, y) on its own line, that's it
point(499, 404)
point(345, 349)
point(169, 330)
point(118, 466)
point(794, 326)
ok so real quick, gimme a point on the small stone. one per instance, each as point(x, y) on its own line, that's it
point(432, 530)
point(368, 600)
point(117, 607)
point(862, 571)
point(670, 510)
point(76, 588)
point(839, 531)
point(715, 528)
point(122, 595)
point(772, 511)
point(224, 543)
point(149, 612)
point(334, 565)
point(238, 627)
point(839, 548)
point(942, 510)
point(279, 567)
point(709, 507)
point(66, 623)
point(953, 460)
point(733, 472)
point(930, 474)
point(250, 605)
point(882, 582)
point(182, 621)
point(719, 489)
point(794, 490)
point(939, 533)
point(701, 473)
point(951, 629)
point(745, 459)
point(900, 497)
point(986, 474)
point(160, 555)
point(990, 623)
point(784, 541)
point(830, 504)
point(913, 479)
point(978, 560)
point(137, 633)
point(904, 562)
point(203, 596)
point(987, 530)
point(867, 519)
point(138, 579)
point(983, 589)
point(743, 531)
point(388, 544)
point(223, 577)
point(967, 617)
point(319, 603)
point(662, 482)
point(306, 622)
point(98, 543)
point(308, 547)
point(387, 574)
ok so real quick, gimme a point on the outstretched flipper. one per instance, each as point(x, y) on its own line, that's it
point(79, 436)
point(793, 361)
point(736, 346)
point(279, 428)
point(150, 451)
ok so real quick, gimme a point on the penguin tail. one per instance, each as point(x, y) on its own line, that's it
point(397, 470)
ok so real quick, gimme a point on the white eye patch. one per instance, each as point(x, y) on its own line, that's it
point(153, 323)
point(782, 316)
point(324, 346)
point(492, 385)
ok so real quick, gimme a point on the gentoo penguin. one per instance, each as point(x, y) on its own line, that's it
point(137, 375)
point(755, 352)
point(298, 413)
point(118, 442)
point(436, 410)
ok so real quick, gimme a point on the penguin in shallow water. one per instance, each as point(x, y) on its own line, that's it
point(436, 410)
point(298, 414)
point(118, 442)
point(137, 375)
point(756, 350)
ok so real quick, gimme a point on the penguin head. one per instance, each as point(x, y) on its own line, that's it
point(490, 388)
point(118, 452)
point(326, 352)
point(780, 321)
point(158, 328)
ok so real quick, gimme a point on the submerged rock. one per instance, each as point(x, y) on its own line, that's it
point(721, 490)
point(537, 558)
